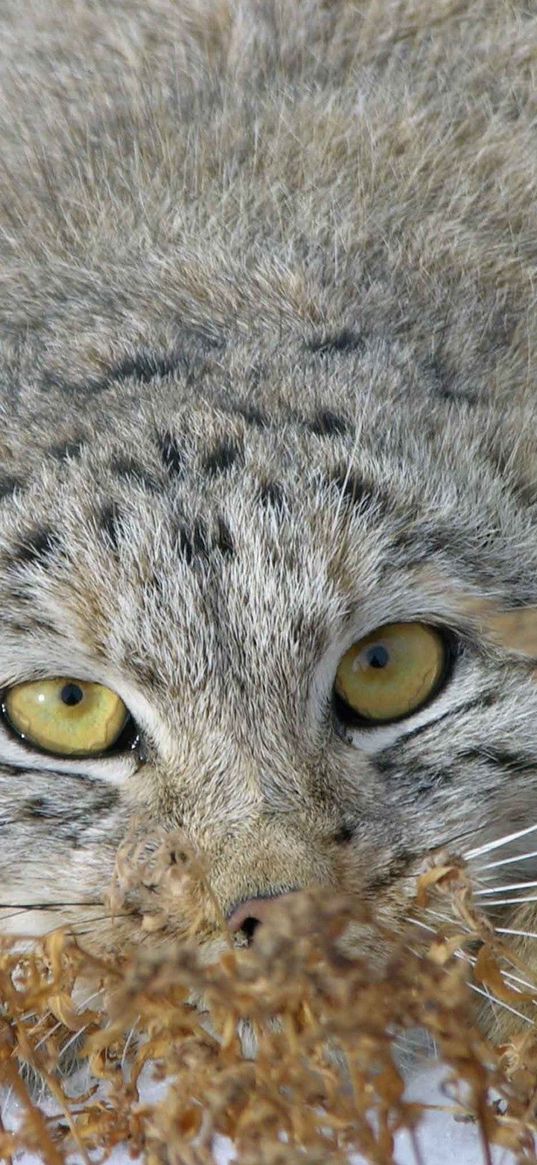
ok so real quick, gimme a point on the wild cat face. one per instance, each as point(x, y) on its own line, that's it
point(239, 619)
point(267, 333)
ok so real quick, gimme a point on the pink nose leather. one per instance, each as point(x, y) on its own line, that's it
point(257, 909)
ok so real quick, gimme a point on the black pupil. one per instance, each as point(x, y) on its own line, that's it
point(71, 694)
point(377, 656)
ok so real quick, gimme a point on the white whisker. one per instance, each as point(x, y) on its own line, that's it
point(509, 901)
point(492, 1001)
point(423, 925)
point(128, 1040)
point(445, 917)
point(508, 975)
point(73, 1038)
point(492, 998)
point(503, 889)
point(505, 974)
point(48, 1034)
point(480, 991)
point(82, 1006)
point(501, 841)
point(13, 913)
point(509, 861)
point(523, 933)
point(4, 1104)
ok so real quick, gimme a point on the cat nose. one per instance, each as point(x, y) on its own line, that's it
point(247, 916)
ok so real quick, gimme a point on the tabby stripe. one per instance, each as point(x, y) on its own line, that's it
point(510, 762)
point(385, 756)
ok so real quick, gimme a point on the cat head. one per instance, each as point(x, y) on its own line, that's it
point(261, 625)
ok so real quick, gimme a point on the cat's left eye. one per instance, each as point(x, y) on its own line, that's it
point(66, 717)
point(391, 673)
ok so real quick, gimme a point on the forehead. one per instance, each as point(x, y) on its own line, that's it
point(203, 518)
point(225, 538)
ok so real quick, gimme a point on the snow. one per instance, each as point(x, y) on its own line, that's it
point(442, 1140)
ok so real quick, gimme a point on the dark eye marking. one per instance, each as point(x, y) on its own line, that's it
point(36, 808)
point(392, 759)
point(222, 458)
point(502, 758)
point(344, 341)
point(325, 423)
point(416, 778)
point(37, 546)
point(127, 469)
point(46, 809)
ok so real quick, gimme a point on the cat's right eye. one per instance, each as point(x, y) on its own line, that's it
point(66, 717)
point(391, 673)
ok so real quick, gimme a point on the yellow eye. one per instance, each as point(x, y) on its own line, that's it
point(66, 717)
point(391, 673)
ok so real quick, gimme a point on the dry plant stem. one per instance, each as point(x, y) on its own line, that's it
point(326, 1073)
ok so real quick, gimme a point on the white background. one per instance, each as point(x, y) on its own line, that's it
point(442, 1140)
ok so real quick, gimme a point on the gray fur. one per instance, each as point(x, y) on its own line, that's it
point(267, 320)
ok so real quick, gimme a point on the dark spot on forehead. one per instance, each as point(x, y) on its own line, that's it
point(343, 341)
point(325, 423)
point(8, 485)
point(172, 453)
point(444, 381)
point(222, 457)
point(344, 834)
point(197, 543)
point(67, 450)
point(271, 495)
point(224, 540)
point(358, 492)
point(36, 546)
point(127, 469)
point(110, 524)
point(145, 365)
point(193, 542)
point(251, 415)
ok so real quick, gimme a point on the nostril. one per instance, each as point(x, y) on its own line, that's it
point(249, 927)
point(245, 917)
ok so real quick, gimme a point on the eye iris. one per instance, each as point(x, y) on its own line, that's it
point(66, 717)
point(391, 673)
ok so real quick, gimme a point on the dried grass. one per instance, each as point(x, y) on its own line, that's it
point(326, 1077)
